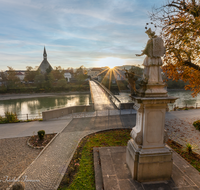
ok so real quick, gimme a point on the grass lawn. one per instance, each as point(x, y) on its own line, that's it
point(80, 172)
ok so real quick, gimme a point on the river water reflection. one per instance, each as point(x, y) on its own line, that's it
point(185, 98)
point(35, 106)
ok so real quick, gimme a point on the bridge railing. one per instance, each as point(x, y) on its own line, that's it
point(112, 97)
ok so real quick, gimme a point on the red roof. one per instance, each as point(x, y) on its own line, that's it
point(19, 73)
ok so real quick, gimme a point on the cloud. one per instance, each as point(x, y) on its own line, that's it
point(74, 32)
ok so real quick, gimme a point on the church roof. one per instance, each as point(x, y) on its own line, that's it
point(45, 64)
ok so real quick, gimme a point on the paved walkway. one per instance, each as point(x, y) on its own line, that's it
point(113, 173)
point(179, 126)
point(51, 164)
point(101, 100)
point(11, 130)
point(46, 172)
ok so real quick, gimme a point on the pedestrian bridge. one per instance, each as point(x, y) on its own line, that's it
point(104, 99)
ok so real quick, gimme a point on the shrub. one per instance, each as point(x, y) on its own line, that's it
point(189, 148)
point(41, 134)
point(196, 124)
point(2, 119)
point(11, 117)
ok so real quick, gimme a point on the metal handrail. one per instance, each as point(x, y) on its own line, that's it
point(118, 103)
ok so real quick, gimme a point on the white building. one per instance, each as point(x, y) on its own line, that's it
point(68, 75)
point(20, 75)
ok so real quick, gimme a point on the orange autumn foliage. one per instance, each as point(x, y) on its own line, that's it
point(180, 23)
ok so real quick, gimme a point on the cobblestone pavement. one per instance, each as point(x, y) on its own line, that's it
point(181, 130)
point(15, 157)
point(46, 172)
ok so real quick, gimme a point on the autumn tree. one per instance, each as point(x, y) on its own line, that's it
point(12, 79)
point(180, 28)
point(58, 73)
point(3, 81)
point(81, 74)
point(62, 83)
point(30, 74)
point(39, 80)
point(70, 69)
point(49, 80)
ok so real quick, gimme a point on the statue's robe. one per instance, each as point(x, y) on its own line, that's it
point(154, 51)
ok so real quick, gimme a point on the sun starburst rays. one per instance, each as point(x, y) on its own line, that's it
point(111, 74)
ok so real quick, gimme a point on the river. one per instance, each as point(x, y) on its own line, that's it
point(35, 106)
point(184, 98)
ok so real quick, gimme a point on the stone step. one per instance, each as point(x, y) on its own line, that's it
point(112, 173)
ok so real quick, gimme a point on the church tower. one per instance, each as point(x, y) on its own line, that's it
point(45, 54)
point(45, 65)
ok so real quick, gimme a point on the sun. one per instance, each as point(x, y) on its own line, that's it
point(111, 62)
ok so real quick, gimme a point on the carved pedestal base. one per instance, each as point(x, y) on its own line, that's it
point(147, 156)
point(153, 90)
point(149, 166)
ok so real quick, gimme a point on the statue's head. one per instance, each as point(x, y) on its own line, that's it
point(150, 33)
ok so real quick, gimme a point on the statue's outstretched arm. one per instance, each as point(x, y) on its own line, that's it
point(145, 51)
point(139, 54)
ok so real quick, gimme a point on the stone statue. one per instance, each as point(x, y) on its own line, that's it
point(154, 50)
point(130, 75)
point(147, 156)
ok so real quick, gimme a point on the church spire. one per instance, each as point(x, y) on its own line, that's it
point(45, 54)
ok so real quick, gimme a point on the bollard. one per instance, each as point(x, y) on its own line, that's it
point(27, 116)
point(196, 105)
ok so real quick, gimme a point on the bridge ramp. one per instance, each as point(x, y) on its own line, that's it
point(101, 100)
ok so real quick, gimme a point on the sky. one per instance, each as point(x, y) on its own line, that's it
point(93, 33)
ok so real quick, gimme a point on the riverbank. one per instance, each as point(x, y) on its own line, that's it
point(14, 96)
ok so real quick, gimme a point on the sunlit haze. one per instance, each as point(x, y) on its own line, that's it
point(111, 62)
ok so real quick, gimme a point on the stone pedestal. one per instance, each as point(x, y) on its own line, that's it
point(147, 156)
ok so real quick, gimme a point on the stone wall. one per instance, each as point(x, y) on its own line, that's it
point(55, 113)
